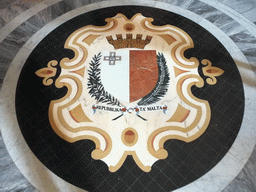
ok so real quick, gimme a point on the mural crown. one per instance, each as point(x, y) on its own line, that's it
point(129, 42)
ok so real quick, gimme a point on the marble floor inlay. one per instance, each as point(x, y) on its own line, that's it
point(127, 96)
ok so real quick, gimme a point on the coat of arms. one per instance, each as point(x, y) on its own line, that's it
point(129, 90)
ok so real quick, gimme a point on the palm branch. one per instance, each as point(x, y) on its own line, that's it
point(162, 84)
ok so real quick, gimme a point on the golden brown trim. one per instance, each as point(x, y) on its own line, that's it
point(211, 72)
point(80, 71)
point(180, 114)
point(89, 39)
point(120, 15)
point(48, 72)
point(168, 38)
point(178, 71)
point(78, 114)
point(136, 159)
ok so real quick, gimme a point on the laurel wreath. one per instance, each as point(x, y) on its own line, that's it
point(98, 92)
point(95, 85)
point(162, 84)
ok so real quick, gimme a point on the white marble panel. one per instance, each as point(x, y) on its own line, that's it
point(51, 2)
point(240, 6)
point(202, 9)
point(180, 3)
point(221, 175)
point(13, 9)
point(10, 26)
point(60, 20)
point(231, 28)
point(250, 14)
point(181, 11)
point(10, 177)
point(233, 14)
point(126, 2)
point(210, 13)
point(245, 181)
point(192, 188)
point(76, 3)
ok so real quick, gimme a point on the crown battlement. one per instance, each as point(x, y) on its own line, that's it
point(129, 42)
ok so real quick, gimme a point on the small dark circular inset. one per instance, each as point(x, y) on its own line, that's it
point(129, 27)
point(129, 137)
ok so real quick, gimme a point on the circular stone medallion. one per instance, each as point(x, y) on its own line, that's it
point(130, 97)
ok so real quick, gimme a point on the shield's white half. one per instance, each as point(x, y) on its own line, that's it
point(115, 73)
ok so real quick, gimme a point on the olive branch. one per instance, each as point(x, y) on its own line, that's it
point(95, 85)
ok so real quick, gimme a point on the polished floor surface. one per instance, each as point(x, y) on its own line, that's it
point(33, 33)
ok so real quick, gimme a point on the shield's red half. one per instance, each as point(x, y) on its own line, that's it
point(143, 73)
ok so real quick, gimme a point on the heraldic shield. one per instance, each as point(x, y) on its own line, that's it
point(131, 74)
point(129, 90)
